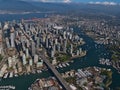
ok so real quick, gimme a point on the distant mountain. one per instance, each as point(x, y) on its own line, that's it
point(62, 8)
point(16, 5)
point(85, 10)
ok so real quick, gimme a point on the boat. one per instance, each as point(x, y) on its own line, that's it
point(63, 65)
point(11, 75)
point(57, 67)
point(67, 64)
point(16, 75)
point(39, 71)
point(6, 75)
point(60, 65)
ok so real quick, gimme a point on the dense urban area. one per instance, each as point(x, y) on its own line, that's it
point(61, 44)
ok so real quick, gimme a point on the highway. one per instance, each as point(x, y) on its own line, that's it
point(56, 73)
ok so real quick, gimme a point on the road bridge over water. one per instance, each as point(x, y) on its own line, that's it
point(56, 73)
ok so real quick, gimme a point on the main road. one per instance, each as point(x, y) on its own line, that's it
point(55, 72)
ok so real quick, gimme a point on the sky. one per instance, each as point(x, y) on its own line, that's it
point(83, 1)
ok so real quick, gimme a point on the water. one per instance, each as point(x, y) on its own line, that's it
point(91, 59)
point(10, 17)
point(24, 81)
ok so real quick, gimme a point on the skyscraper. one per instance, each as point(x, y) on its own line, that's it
point(0, 25)
point(46, 42)
point(58, 47)
point(24, 59)
point(33, 48)
point(35, 58)
point(9, 62)
point(30, 62)
point(71, 49)
point(38, 42)
point(64, 34)
point(65, 44)
point(1, 44)
point(27, 52)
point(52, 53)
point(12, 37)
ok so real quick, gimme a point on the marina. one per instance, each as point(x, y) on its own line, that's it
point(62, 65)
point(104, 61)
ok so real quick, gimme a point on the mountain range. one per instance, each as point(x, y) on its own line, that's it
point(78, 8)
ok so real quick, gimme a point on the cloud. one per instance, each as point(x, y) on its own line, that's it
point(67, 1)
point(62, 1)
point(104, 3)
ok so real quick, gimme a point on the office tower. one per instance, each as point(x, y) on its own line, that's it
point(58, 46)
point(64, 34)
point(14, 60)
point(38, 42)
point(54, 48)
point(21, 26)
point(5, 27)
point(81, 39)
point(18, 45)
point(71, 49)
point(27, 52)
point(9, 62)
point(1, 45)
point(51, 42)
point(43, 39)
point(33, 48)
point(78, 52)
point(77, 38)
point(24, 59)
point(46, 42)
point(56, 41)
point(118, 35)
point(0, 25)
point(12, 37)
point(52, 53)
point(30, 62)
point(54, 61)
point(16, 33)
point(26, 27)
point(65, 44)
point(35, 58)
point(23, 45)
point(40, 64)
point(61, 40)
point(70, 36)
point(28, 43)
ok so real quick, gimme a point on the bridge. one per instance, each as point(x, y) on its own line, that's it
point(55, 72)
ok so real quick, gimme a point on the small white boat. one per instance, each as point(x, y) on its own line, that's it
point(6, 75)
point(67, 64)
point(57, 66)
point(11, 75)
point(63, 65)
point(16, 75)
point(60, 65)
